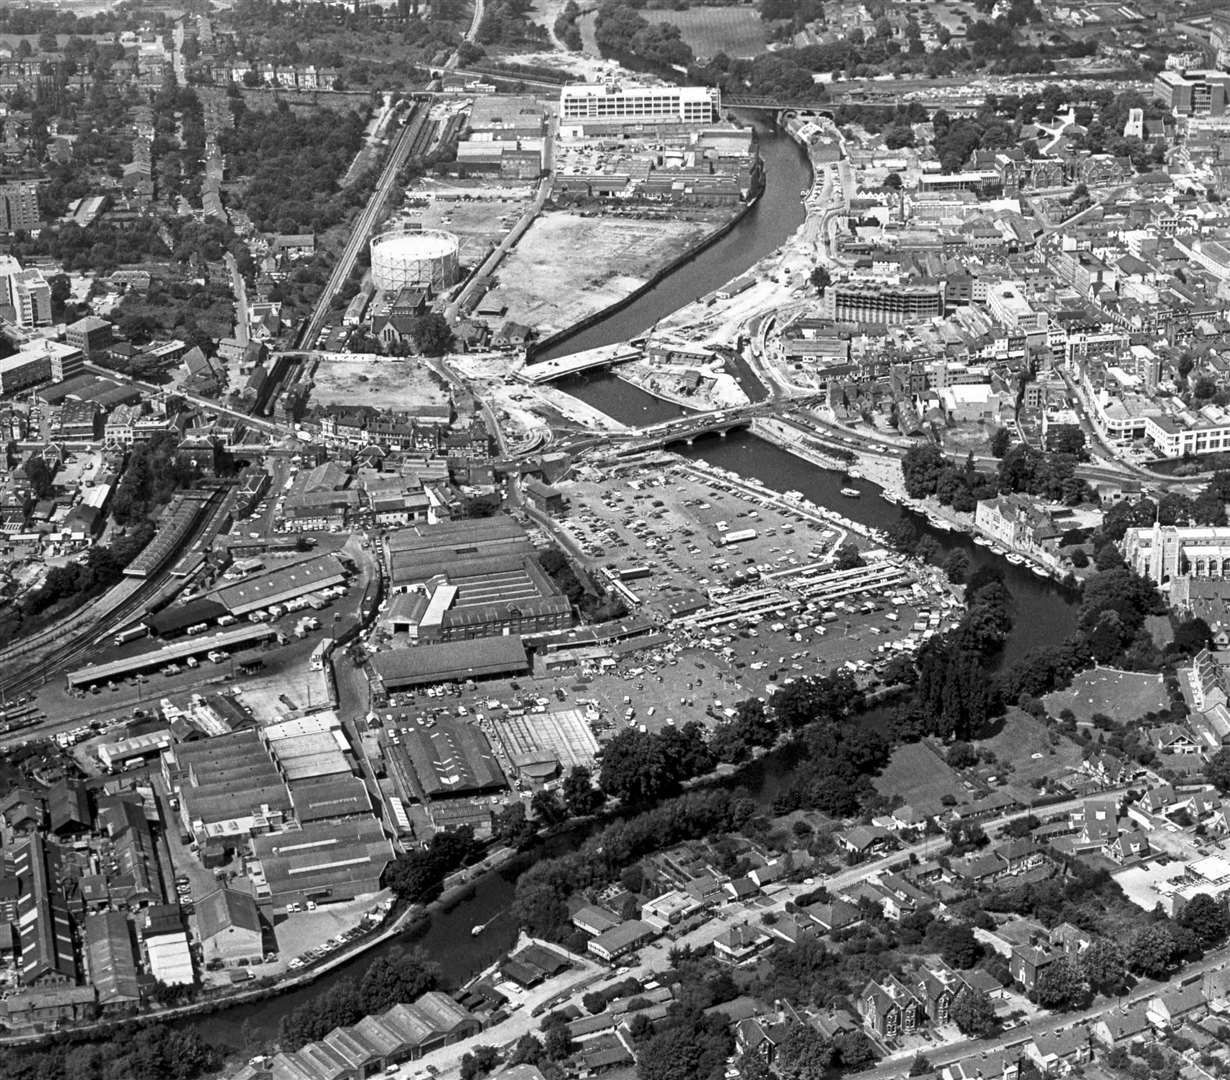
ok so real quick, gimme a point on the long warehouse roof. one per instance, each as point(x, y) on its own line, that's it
point(476, 658)
point(193, 646)
point(285, 583)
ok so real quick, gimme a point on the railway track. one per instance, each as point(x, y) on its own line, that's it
point(84, 634)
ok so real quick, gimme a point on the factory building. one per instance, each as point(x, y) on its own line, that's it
point(424, 665)
point(324, 861)
point(633, 102)
point(229, 789)
point(261, 591)
point(450, 759)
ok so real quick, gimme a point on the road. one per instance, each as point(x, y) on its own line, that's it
point(654, 959)
point(269, 427)
point(899, 1066)
point(406, 140)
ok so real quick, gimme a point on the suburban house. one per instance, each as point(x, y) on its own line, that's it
point(1057, 1053)
point(1122, 1027)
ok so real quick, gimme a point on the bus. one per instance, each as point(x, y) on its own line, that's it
point(320, 654)
point(131, 633)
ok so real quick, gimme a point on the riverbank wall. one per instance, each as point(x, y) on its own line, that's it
point(682, 260)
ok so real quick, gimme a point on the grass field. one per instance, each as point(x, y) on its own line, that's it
point(735, 31)
point(1122, 695)
point(1021, 737)
point(921, 778)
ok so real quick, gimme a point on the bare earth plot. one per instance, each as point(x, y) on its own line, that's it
point(736, 31)
point(1122, 695)
point(568, 266)
point(920, 777)
point(384, 384)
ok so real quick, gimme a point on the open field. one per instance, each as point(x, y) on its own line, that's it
point(568, 266)
point(921, 778)
point(1124, 696)
point(1026, 742)
point(386, 383)
point(736, 31)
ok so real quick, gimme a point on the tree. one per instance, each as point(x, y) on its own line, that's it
point(853, 1050)
point(418, 875)
point(41, 477)
point(847, 557)
point(547, 807)
point(920, 1066)
point(957, 566)
point(396, 976)
point(558, 1043)
point(480, 1061)
point(803, 1053)
point(1217, 770)
point(511, 826)
point(974, 1014)
point(636, 769)
point(1001, 439)
point(1206, 918)
point(1061, 985)
point(961, 755)
point(956, 944)
point(821, 279)
point(1103, 965)
point(432, 334)
point(1152, 950)
point(528, 1050)
point(580, 795)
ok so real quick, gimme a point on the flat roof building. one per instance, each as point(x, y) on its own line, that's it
point(277, 586)
point(635, 102)
point(229, 786)
point(169, 959)
point(1192, 93)
point(323, 861)
point(235, 638)
point(483, 658)
point(621, 939)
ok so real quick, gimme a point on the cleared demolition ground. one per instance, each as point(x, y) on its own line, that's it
point(568, 266)
point(386, 383)
point(477, 212)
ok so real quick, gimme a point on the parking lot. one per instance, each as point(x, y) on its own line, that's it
point(667, 535)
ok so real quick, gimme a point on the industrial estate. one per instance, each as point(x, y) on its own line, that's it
point(684, 542)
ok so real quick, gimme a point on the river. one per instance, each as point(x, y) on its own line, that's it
point(776, 215)
point(1043, 611)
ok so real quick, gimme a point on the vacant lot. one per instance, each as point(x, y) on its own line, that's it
point(921, 778)
point(568, 266)
point(1027, 743)
point(477, 213)
point(1124, 696)
point(383, 383)
point(736, 31)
